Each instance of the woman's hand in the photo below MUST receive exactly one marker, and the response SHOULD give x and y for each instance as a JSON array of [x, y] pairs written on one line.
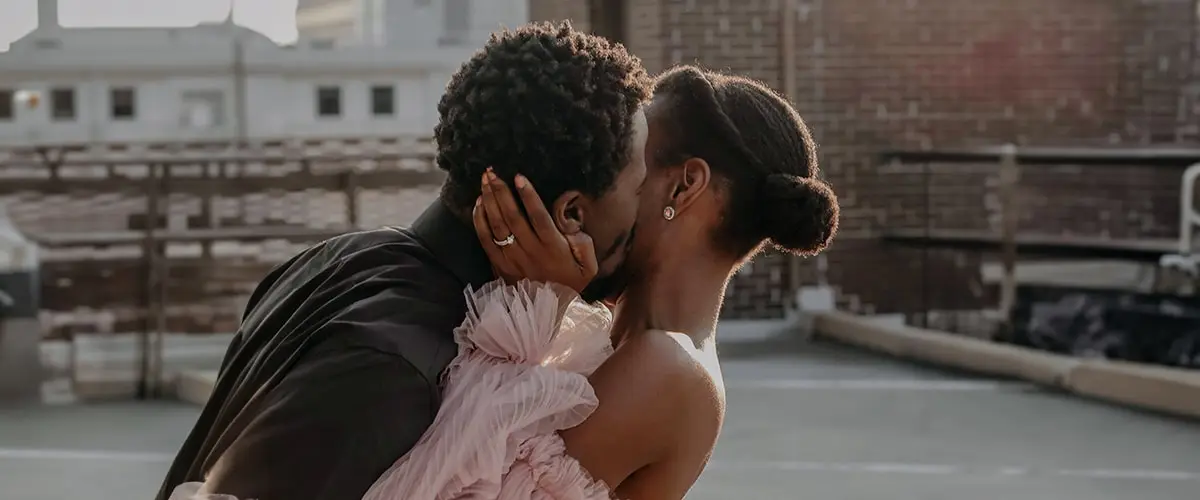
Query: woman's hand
[[532, 248]]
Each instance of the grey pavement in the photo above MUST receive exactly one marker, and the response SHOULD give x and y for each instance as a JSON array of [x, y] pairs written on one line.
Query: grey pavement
[[824, 422]]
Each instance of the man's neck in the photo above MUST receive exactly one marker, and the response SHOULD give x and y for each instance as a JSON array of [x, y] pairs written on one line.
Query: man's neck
[[452, 241], [463, 215]]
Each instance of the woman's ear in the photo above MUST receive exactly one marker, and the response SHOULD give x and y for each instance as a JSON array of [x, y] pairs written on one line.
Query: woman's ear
[[568, 212], [690, 181]]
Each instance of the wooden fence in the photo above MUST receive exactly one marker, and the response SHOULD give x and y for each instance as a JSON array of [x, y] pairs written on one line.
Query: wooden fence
[[172, 242]]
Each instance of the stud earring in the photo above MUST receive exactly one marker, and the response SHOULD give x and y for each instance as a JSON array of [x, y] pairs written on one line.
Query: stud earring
[[669, 213]]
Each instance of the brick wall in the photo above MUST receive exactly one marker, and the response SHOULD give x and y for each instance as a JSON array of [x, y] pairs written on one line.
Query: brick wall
[[869, 74], [873, 74]]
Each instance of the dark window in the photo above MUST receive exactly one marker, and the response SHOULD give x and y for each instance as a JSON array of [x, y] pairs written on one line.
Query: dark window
[[124, 103], [608, 19], [62, 104], [383, 100], [329, 101], [6, 103], [456, 21]]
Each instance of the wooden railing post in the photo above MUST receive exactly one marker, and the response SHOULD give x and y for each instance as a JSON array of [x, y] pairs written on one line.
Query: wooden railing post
[[161, 280], [150, 268], [350, 190], [207, 216]]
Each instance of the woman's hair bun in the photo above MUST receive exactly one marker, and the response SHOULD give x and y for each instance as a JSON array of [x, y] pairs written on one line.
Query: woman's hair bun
[[799, 214]]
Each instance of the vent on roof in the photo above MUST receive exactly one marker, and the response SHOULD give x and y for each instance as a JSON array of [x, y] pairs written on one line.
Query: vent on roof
[[47, 43]]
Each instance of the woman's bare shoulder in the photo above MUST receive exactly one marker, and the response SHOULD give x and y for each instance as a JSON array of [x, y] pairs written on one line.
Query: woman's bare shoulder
[[691, 367], [677, 384], [656, 393]]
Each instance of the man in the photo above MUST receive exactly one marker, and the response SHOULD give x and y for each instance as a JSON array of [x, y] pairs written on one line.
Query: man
[[334, 372]]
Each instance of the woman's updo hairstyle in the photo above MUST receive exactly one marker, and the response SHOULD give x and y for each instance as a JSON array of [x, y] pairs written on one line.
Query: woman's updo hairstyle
[[758, 149]]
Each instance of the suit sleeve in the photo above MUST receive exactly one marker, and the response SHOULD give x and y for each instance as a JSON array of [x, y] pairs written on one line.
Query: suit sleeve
[[262, 289], [329, 430]]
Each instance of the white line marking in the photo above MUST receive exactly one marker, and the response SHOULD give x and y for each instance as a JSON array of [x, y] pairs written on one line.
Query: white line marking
[[793, 466], [100, 455], [947, 470], [1170, 475], [880, 385], [894, 468]]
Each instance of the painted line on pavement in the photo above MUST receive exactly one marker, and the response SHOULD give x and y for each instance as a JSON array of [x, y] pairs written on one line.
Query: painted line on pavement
[[892, 468], [881, 385], [952, 470], [103, 455]]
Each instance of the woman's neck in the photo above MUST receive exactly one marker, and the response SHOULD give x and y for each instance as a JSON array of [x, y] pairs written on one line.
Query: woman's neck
[[682, 294]]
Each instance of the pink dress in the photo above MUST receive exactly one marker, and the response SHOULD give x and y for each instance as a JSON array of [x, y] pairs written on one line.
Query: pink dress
[[525, 353]]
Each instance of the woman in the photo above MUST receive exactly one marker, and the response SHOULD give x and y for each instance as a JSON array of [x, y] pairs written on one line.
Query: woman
[[733, 167], [552, 398]]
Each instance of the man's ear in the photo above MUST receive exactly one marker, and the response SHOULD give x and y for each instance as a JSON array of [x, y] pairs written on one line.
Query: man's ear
[[690, 181], [568, 211]]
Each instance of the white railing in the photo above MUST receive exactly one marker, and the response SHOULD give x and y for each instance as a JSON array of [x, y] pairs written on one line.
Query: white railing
[[1189, 218]]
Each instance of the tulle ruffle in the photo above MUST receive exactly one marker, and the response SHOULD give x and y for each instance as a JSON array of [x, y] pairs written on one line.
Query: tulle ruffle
[[525, 352]]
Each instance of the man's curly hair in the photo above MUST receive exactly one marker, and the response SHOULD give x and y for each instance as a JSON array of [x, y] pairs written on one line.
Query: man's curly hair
[[545, 101]]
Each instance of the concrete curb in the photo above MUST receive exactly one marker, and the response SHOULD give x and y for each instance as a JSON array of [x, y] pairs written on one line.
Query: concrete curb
[[1168, 390], [195, 386]]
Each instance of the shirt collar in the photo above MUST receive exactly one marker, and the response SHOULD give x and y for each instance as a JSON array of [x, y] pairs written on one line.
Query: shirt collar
[[453, 243]]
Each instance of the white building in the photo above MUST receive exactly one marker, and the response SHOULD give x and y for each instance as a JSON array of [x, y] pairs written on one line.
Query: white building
[[338, 21], [219, 81], [406, 23]]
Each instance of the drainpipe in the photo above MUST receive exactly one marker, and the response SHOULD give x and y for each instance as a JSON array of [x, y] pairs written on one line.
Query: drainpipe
[[239, 91], [787, 73]]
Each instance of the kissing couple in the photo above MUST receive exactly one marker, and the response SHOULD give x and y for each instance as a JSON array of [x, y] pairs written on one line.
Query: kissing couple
[[545, 329]]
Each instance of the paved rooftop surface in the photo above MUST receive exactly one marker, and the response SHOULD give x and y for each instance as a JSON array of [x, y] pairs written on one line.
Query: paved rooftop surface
[[825, 423]]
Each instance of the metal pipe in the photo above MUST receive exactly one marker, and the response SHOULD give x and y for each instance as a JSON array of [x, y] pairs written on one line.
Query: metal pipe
[[239, 90], [787, 48], [239, 81], [787, 73]]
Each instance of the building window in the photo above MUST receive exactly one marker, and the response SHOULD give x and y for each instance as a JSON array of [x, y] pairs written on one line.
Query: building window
[[62, 104], [456, 21], [608, 19], [202, 109], [329, 101], [7, 98], [124, 103], [383, 100]]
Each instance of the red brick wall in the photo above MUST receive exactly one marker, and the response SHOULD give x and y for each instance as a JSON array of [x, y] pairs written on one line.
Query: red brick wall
[[873, 74]]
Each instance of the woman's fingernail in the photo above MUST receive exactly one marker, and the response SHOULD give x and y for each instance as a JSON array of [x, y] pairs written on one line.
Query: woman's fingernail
[[520, 181], [491, 175], [478, 201]]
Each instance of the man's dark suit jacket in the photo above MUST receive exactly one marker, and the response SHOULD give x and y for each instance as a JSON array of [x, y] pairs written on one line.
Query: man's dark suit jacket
[[334, 372]]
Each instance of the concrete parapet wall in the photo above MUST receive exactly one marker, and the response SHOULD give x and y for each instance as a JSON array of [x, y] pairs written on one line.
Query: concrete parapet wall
[[1163, 389]]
